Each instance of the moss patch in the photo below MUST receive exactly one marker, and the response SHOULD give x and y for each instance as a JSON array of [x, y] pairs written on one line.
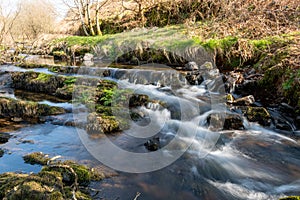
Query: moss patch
[[56, 181], [36, 158]]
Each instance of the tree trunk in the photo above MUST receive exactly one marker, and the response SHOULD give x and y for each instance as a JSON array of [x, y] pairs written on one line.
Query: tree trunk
[[99, 32], [90, 25]]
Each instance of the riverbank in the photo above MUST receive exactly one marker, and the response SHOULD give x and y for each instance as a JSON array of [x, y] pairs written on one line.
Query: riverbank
[[274, 59]]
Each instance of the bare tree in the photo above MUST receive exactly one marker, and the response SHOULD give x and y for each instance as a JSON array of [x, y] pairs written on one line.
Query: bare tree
[[140, 7], [35, 17], [89, 14], [7, 20]]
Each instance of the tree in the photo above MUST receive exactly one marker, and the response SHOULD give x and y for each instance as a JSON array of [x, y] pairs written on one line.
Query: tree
[[7, 19], [35, 17], [140, 7], [88, 12]]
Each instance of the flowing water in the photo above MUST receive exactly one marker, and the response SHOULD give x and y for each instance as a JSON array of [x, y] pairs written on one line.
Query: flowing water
[[255, 163]]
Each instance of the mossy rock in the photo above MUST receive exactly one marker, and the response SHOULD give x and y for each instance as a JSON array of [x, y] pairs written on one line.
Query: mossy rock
[[291, 198], [1, 152], [56, 181], [83, 173], [258, 114], [27, 110], [65, 92], [36, 158], [99, 124]]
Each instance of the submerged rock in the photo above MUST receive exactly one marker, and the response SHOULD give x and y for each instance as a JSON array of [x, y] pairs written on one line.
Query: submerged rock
[[4, 137], [1, 153]]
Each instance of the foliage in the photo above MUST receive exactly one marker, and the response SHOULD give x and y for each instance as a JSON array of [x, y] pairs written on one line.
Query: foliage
[[43, 77]]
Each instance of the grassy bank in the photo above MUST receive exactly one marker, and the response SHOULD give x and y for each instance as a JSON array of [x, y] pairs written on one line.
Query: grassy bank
[[277, 56]]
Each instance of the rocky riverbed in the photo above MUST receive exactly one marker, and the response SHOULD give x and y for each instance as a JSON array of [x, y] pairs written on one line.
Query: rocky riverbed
[[257, 150]]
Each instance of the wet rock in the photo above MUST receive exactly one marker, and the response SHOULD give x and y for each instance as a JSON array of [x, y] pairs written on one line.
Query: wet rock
[[58, 180], [37, 82], [225, 121], [36, 158], [1, 153], [99, 124], [65, 92], [64, 69], [244, 101], [153, 144], [191, 66], [4, 137], [255, 114], [27, 141], [194, 78], [137, 100], [27, 110]]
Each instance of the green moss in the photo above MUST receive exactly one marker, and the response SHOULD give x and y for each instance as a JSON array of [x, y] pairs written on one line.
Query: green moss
[[36, 158], [56, 196], [83, 173], [70, 80], [43, 77], [291, 198], [258, 114], [49, 184], [223, 43], [261, 44]]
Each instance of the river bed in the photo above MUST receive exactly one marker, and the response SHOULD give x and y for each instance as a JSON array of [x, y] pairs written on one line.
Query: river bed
[[255, 163]]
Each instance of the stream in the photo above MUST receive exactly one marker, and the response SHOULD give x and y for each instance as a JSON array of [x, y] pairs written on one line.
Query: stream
[[254, 163]]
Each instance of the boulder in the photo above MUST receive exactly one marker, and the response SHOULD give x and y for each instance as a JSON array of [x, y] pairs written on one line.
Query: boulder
[[37, 82], [225, 121], [255, 114], [27, 110]]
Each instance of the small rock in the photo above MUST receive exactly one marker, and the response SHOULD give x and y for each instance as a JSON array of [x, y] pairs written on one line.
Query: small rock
[[191, 66], [244, 101], [27, 142], [1, 153], [206, 66], [16, 119], [4, 137], [153, 144]]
